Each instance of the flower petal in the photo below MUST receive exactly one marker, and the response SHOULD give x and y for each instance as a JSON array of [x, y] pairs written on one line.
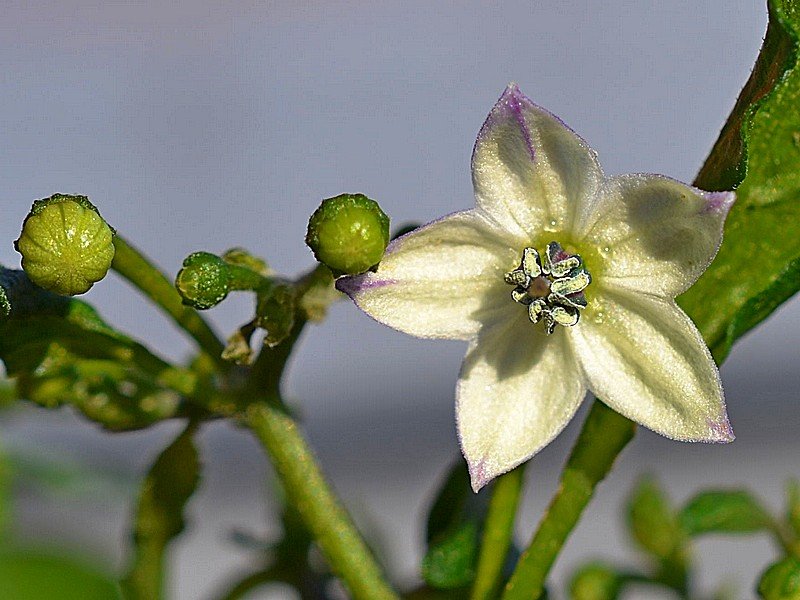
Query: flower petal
[[530, 171], [657, 234], [645, 358], [441, 280], [517, 390]]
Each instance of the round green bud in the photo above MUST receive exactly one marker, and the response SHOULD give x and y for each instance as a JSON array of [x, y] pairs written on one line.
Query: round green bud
[[65, 244], [781, 581], [595, 581], [348, 233], [204, 280]]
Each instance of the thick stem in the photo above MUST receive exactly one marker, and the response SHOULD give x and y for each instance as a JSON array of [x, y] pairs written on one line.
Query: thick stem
[[497, 533], [147, 278], [307, 490], [604, 435]]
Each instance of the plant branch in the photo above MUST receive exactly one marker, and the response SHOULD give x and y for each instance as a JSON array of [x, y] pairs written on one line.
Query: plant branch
[[148, 279], [605, 433], [307, 490], [498, 533]]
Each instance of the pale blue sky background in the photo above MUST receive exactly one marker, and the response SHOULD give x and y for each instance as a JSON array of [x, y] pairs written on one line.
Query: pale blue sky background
[[196, 125]]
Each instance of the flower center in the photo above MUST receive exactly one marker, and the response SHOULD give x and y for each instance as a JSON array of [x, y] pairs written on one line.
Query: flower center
[[552, 288]]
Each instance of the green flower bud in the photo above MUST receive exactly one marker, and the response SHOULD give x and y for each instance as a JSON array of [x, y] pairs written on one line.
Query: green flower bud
[[595, 581], [348, 233], [66, 245], [204, 280], [781, 581]]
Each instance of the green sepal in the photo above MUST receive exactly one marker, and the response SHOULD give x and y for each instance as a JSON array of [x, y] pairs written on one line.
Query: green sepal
[[59, 351], [781, 581], [316, 292], [242, 258], [724, 511], [275, 313], [455, 521]]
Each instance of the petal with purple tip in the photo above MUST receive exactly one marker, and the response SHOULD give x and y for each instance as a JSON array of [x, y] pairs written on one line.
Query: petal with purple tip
[[530, 171], [656, 235], [645, 358], [442, 280], [517, 390]]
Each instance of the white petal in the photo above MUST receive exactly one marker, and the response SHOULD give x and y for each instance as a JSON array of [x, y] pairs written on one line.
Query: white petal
[[442, 280], [657, 234], [517, 390], [644, 358], [530, 171]]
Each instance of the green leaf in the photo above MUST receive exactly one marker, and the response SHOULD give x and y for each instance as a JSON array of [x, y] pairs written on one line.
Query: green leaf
[[449, 507], [165, 492], [652, 520], [724, 512], [454, 525], [758, 265], [61, 352], [31, 575], [450, 563], [781, 581]]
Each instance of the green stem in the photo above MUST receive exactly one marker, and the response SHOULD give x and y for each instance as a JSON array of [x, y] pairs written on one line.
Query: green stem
[[307, 490], [604, 435], [305, 486], [497, 533], [133, 266]]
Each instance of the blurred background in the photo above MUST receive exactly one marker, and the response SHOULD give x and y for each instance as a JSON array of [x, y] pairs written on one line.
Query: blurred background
[[197, 125]]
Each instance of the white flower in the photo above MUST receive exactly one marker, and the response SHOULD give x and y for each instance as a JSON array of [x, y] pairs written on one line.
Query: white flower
[[562, 280]]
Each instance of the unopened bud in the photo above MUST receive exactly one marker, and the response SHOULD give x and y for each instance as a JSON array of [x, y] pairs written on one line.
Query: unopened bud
[[781, 581], [348, 233], [65, 244], [595, 582], [203, 281]]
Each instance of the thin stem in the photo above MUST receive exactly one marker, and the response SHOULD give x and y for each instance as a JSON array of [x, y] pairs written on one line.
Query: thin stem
[[604, 435], [497, 533], [307, 490], [138, 270]]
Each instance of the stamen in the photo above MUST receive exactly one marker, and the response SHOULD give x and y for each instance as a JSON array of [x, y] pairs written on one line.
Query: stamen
[[551, 289]]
